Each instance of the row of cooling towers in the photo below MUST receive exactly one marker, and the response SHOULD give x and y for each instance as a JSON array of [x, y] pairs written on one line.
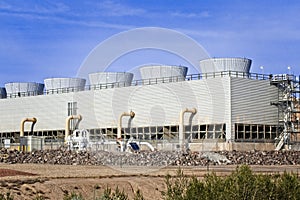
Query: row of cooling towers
[[147, 72]]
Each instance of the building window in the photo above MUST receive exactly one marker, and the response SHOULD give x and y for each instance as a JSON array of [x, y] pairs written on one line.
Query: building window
[[72, 108]]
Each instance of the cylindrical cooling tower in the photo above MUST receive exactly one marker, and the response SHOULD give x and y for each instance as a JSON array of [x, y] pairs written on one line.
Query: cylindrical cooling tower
[[111, 79], [225, 64], [58, 85], [18, 89], [163, 73]]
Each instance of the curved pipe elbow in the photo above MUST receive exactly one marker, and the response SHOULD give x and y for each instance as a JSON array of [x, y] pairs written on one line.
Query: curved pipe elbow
[[131, 114], [33, 120], [67, 126]]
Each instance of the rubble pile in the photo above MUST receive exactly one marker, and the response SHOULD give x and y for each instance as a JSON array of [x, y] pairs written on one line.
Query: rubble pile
[[60, 156], [64, 156], [263, 157]]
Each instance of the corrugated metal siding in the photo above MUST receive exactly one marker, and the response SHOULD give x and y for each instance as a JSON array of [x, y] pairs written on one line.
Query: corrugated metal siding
[[157, 105], [154, 105], [218, 100], [50, 111], [250, 102]]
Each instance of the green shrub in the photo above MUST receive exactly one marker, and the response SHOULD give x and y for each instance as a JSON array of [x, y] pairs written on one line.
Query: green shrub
[[117, 195], [176, 188], [288, 186], [73, 196], [241, 184], [7, 196], [194, 188], [138, 195]]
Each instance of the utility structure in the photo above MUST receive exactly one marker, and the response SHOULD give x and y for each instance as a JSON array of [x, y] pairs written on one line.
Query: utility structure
[[67, 126], [288, 108], [231, 102], [131, 114], [33, 120], [193, 111]]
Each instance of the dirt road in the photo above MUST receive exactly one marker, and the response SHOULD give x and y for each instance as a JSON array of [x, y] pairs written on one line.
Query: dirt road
[[27, 181]]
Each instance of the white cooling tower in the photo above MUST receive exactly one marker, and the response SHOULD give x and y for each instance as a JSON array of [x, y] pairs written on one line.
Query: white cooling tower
[[163, 71], [111, 78], [2, 93], [225, 64], [23, 89], [69, 84]]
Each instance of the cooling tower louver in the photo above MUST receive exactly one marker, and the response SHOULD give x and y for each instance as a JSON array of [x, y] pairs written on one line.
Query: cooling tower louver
[[61, 85], [225, 64], [163, 73], [111, 79], [18, 89]]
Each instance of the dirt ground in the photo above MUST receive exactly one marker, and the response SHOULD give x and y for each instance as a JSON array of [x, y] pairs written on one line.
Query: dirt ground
[[27, 181]]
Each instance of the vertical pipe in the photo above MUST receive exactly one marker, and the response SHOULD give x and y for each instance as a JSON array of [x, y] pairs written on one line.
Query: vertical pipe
[[33, 120], [181, 125], [119, 130], [67, 126]]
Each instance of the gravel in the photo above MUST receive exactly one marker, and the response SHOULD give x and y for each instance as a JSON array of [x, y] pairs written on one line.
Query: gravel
[[64, 156]]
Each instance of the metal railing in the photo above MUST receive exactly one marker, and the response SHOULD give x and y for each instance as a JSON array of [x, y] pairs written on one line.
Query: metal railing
[[154, 81]]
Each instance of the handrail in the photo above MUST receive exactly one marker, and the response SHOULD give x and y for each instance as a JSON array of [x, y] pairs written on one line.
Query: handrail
[[154, 81]]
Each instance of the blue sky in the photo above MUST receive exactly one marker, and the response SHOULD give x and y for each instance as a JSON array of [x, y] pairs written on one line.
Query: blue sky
[[41, 39]]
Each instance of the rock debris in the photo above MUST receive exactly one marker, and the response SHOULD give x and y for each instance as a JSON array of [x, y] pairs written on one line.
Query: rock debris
[[63, 156]]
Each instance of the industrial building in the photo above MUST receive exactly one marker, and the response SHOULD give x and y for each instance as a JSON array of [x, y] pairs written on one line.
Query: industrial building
[[226, 107]]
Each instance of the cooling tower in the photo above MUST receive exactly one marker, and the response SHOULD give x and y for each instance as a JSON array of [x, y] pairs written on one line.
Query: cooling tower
[[23, 89], [111, 79], [64, 84], [2, 93], [162, 72], [225, 64]]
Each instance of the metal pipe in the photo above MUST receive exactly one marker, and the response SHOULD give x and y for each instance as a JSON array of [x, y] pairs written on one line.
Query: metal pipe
[[147, 144], [181, 125], [119, 131], [33, 120], [67, 127]]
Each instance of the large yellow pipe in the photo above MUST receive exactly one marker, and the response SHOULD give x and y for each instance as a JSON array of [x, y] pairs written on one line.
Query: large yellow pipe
[[67, 127], [33, 120], [181, 125]]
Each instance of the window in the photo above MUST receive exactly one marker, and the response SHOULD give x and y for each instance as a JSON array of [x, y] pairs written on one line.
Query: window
[[72, 108]]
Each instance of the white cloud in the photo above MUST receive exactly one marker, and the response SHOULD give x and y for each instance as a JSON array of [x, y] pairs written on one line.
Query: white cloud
[[203, 14], [111, 8], [45, 7], [62, 20]]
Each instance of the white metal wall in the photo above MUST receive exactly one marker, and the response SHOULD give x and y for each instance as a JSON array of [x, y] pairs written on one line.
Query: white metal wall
[[154, 105], [161, 104], [250, 102]]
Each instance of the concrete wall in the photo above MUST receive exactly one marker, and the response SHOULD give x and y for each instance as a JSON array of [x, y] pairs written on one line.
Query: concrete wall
[[228, 146]]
